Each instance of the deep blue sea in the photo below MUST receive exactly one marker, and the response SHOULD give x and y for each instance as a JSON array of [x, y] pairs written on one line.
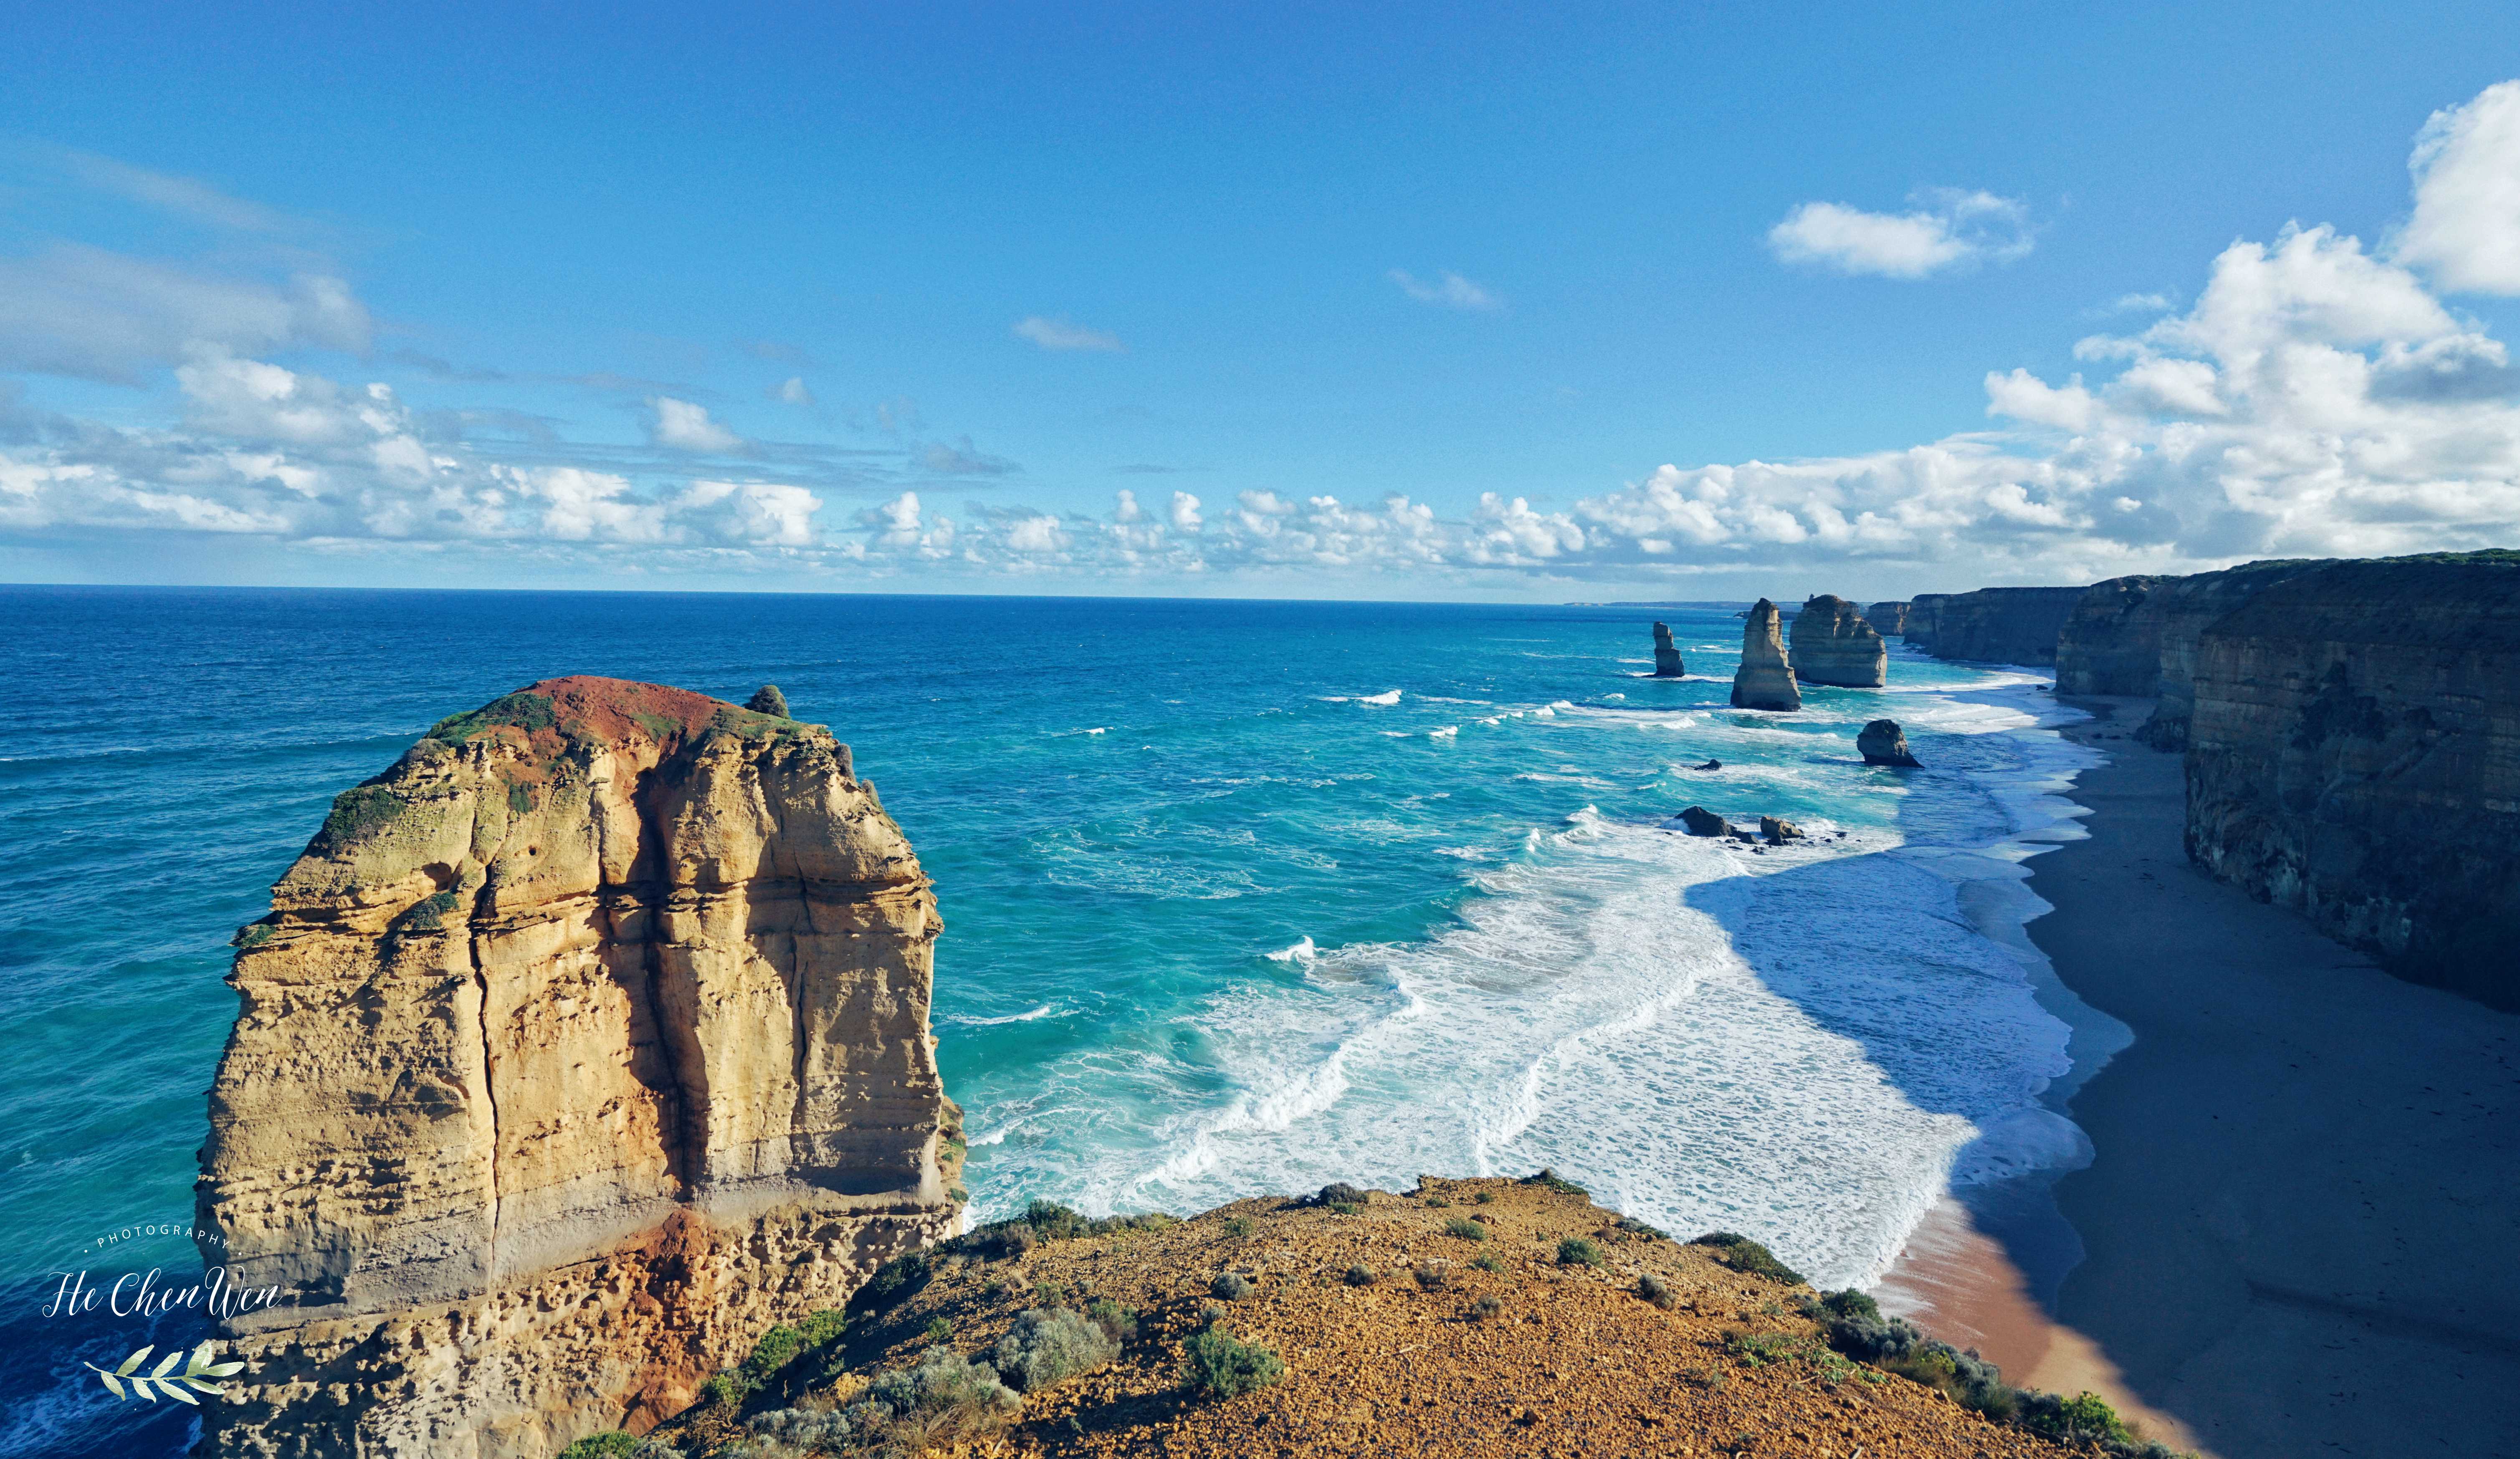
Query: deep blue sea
[[1239, 897]]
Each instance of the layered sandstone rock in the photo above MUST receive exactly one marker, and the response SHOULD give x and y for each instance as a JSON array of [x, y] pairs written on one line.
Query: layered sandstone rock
[[2185, 606], [1889, 619], [1883, 743], [1832, 643], [579, 1046], [1667, 662], [2355, 753], [1924, 614], [2111, 642], [1997, 625], [1764, 680]]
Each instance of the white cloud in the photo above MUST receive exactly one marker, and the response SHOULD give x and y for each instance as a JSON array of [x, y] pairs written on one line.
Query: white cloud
[[1186, 517], [2466, 231], [1956, 230], [2139, 304], [792, 391], [81, 311], [1058, 334], [686, 426], [1450, 290]]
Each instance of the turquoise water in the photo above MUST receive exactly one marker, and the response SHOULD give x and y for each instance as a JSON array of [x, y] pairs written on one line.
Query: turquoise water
[[1239, 897]]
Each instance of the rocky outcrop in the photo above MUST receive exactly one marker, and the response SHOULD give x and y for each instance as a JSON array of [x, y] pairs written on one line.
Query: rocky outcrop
[[1883, 742], [1667, 664], [1779, 831], [1925, 615], [581, 1045], [2111, 642], [2185, 608], [2355, 753], [1764, 680], [767, 700], [1832, 643], [1889, 619], [1997, 625], [1699, 821]]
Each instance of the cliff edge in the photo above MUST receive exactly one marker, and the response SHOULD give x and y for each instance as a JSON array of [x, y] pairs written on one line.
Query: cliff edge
[[581, 1044], [2355, 753]]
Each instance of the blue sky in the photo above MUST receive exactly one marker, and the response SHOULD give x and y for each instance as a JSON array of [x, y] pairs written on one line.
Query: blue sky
[[760, 298]]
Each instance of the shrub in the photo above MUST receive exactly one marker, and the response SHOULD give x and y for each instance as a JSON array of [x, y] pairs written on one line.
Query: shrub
[[819, 1327], [1656, 1290], [1436, 1202], [1431, 1276], [1118, 1323], [999, 1241], [767, 700], [1340, 1193], [938, 1330], [1223, 1366], [1488, 1262], [1547, 1180], [1484, 1197], [1359, 1275], [2085, 1419], [1238, 1228], [613, 1446], [1851, 1303], [727, 1390], [941, 1396], [1465, 1228], [805, 1428], [1631, 1227], [776, 1349], [1346, 1208], [1053, 1221], [1743, 1254], [1579, 1250], [1050, 1344], [1488, 1306], [1229, 1285], [891, 1284]]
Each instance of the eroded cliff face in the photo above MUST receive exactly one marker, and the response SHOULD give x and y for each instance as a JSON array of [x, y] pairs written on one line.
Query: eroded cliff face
[[2182, 609], [1924, 613], [2355, 753], [1832, 643], [2111, 641], [579, 1046], [1764, 679], [1889, 619], [1995, 625]]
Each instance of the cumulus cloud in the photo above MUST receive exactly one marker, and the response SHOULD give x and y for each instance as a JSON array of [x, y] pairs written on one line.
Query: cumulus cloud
[[791, 391], [2466, 231], [1058, 334], [684, 427], [1953, 229], [1448, 290]]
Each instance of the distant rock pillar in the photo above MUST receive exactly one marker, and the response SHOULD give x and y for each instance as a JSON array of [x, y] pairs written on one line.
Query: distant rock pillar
[[1764, 680], [1667, 664]]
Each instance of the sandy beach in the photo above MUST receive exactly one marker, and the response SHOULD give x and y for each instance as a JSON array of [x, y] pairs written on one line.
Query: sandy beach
[[2298, 1231]]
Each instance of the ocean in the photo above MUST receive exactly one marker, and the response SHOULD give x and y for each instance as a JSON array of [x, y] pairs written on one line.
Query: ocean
[[1239, 897]]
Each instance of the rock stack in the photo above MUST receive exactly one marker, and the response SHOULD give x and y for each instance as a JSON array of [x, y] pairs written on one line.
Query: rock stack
[[579, 1047], [1834, 645], [1883, 742], [1764, 680], [1667, 664]]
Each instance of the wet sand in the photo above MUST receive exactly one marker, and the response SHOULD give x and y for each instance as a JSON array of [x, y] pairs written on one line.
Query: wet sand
[[2300, 1230]]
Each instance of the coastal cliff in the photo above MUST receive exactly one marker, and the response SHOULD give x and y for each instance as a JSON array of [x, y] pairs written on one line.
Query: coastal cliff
[[2355, 753], [580, 1045], [1993, 625], [2138, 637], [1832, 643], [1889, 619]]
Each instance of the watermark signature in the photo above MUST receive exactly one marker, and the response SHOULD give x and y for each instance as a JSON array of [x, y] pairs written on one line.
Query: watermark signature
[[147, 1294]]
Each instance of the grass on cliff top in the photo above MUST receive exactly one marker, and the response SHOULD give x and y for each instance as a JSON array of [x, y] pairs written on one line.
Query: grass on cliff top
[[1057, 1333], [521, 709]]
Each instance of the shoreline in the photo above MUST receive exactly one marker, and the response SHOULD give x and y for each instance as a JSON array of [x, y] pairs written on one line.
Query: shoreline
[[2295, 1233]]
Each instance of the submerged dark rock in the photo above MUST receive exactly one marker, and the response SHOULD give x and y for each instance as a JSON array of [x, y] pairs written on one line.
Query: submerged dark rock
[[1703, 822]]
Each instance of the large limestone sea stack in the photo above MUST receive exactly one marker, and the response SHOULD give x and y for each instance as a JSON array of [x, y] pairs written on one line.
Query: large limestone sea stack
[[1833, 644], [1667, 662], [580, 1046], [1764, 680]]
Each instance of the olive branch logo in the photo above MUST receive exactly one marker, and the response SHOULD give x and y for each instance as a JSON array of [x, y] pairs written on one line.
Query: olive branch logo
[[164, 1377]]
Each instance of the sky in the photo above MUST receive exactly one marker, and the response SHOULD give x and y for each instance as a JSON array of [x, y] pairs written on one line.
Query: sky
[[1670, 302]]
